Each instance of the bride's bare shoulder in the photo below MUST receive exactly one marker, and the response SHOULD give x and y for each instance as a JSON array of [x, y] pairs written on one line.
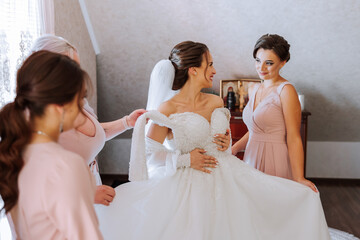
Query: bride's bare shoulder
[[167, 108], [214, 100]]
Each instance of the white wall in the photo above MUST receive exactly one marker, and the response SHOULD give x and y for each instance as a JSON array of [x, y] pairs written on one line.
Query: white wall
[[333, 160]]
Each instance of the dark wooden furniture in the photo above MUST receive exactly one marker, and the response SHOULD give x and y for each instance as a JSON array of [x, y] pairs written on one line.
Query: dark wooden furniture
[[239, 129]]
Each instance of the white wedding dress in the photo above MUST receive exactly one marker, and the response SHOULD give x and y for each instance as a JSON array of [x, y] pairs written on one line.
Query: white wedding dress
[[235, 201]]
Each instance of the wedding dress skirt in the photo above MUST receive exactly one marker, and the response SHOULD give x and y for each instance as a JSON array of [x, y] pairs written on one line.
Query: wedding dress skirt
[[235, 201]]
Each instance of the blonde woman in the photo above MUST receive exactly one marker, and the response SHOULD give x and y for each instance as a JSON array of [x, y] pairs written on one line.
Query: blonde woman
[[88, 139]]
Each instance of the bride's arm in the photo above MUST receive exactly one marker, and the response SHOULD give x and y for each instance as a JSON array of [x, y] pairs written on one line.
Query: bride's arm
[[195, 159], [222, 140]]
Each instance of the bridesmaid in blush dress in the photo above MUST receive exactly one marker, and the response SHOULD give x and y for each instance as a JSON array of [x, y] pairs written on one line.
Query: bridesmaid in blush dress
[[273, 116], [47, 190], [89, 138]]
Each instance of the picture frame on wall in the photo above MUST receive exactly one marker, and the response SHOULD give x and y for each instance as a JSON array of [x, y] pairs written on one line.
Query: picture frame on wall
[[240, 87]]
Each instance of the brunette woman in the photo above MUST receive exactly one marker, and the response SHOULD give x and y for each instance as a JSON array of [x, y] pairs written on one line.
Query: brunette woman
[[48, 190]]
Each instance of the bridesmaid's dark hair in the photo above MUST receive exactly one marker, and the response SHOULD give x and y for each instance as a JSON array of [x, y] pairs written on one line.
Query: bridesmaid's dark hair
[[44, 78], [273, 42], [185, 55]]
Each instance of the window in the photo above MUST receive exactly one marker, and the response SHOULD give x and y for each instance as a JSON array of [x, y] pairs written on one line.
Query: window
[[20, 24]]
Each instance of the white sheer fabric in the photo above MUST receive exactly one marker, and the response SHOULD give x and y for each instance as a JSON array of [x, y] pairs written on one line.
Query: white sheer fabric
[[160, 88], [151, 159], [21, 22], [5, 231], [161, 81], [47, 16], [235, 201]]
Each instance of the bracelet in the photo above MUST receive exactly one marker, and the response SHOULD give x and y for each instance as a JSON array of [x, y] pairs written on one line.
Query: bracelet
[[126, 125]]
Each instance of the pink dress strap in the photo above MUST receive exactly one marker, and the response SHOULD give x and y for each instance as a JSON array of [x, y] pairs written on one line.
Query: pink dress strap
[[281, 86]]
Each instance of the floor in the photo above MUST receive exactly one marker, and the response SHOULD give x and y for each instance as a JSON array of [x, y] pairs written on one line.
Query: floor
[[341, 203], [340, 200]]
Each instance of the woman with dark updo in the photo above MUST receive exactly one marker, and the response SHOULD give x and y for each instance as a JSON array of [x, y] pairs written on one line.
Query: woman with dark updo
[[273, 116], [195, 188], [47, 190]]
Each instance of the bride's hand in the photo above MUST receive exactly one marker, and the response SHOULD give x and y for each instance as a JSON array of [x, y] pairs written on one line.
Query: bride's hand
[[200, 161], [104, 195], [223, 140], [308, 183]]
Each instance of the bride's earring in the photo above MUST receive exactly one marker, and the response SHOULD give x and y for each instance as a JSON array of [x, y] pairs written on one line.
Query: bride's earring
[[195, 73], [61, 127]]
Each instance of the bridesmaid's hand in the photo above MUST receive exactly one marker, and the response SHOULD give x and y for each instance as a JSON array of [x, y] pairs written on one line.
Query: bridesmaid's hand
[[131, 119], [104, 195], [308, 183], [223, 140], [200, 161]]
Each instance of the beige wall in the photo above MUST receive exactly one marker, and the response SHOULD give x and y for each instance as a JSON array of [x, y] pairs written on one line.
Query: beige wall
[[324, 38], [134, 35], [70, 24]]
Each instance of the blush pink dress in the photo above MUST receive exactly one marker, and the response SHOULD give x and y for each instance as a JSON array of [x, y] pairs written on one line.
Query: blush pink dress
[[266, 149], [56, 196], [87, 147]]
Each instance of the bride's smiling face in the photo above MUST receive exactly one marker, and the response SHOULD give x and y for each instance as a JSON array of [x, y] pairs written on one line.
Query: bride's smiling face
[[207, 70]]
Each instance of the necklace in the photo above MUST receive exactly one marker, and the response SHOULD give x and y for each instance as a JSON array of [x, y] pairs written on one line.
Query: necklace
[[42, 133]]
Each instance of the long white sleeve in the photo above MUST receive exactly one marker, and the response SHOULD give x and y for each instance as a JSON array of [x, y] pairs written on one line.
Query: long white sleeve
[[150, 158], [161, 161]]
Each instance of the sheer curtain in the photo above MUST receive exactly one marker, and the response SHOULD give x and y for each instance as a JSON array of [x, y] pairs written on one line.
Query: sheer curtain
[[21, 22]]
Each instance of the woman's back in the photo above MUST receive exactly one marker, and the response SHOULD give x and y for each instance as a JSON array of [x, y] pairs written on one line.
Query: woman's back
[[56, 195]]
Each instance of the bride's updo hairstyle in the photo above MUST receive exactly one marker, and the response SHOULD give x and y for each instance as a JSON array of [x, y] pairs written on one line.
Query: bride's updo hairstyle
[[183, 56], [273, 42], [44, 78]]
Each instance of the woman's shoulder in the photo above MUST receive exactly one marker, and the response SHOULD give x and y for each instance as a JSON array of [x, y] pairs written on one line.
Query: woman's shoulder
[[167, 108], [252, 86], [51, 161], [53, 154], [285, 88], [213, 100]]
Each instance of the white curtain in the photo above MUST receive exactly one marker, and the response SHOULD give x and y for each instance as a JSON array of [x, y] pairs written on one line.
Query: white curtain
[[21, 22]]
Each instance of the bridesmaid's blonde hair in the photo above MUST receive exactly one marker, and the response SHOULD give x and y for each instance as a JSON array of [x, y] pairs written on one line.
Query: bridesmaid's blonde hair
[[55, 44]]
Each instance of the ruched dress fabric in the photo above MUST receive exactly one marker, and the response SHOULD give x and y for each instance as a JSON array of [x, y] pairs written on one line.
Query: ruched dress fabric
[[266, 149], [235, 201], [88, 147]]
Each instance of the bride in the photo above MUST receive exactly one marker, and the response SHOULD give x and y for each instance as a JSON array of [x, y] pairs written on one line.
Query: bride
[[184, 186]]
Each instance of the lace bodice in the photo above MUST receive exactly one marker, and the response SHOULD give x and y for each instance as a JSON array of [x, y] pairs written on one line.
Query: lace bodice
[[192, 130]]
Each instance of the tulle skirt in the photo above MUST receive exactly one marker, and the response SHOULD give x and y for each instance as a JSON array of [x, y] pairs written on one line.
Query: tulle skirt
[[235, 201]]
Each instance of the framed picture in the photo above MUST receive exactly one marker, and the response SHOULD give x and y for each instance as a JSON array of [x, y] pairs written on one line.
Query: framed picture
[[240, 87]]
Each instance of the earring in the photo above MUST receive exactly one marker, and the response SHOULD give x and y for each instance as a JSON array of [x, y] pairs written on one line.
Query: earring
[[61, 127], [195, 73]]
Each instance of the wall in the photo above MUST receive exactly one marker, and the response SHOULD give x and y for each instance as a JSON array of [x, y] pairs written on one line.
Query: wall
[[134, 35], [70, 24]]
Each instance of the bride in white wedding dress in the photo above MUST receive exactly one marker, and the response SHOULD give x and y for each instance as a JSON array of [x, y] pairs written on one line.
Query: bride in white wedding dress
[[192, 189]]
